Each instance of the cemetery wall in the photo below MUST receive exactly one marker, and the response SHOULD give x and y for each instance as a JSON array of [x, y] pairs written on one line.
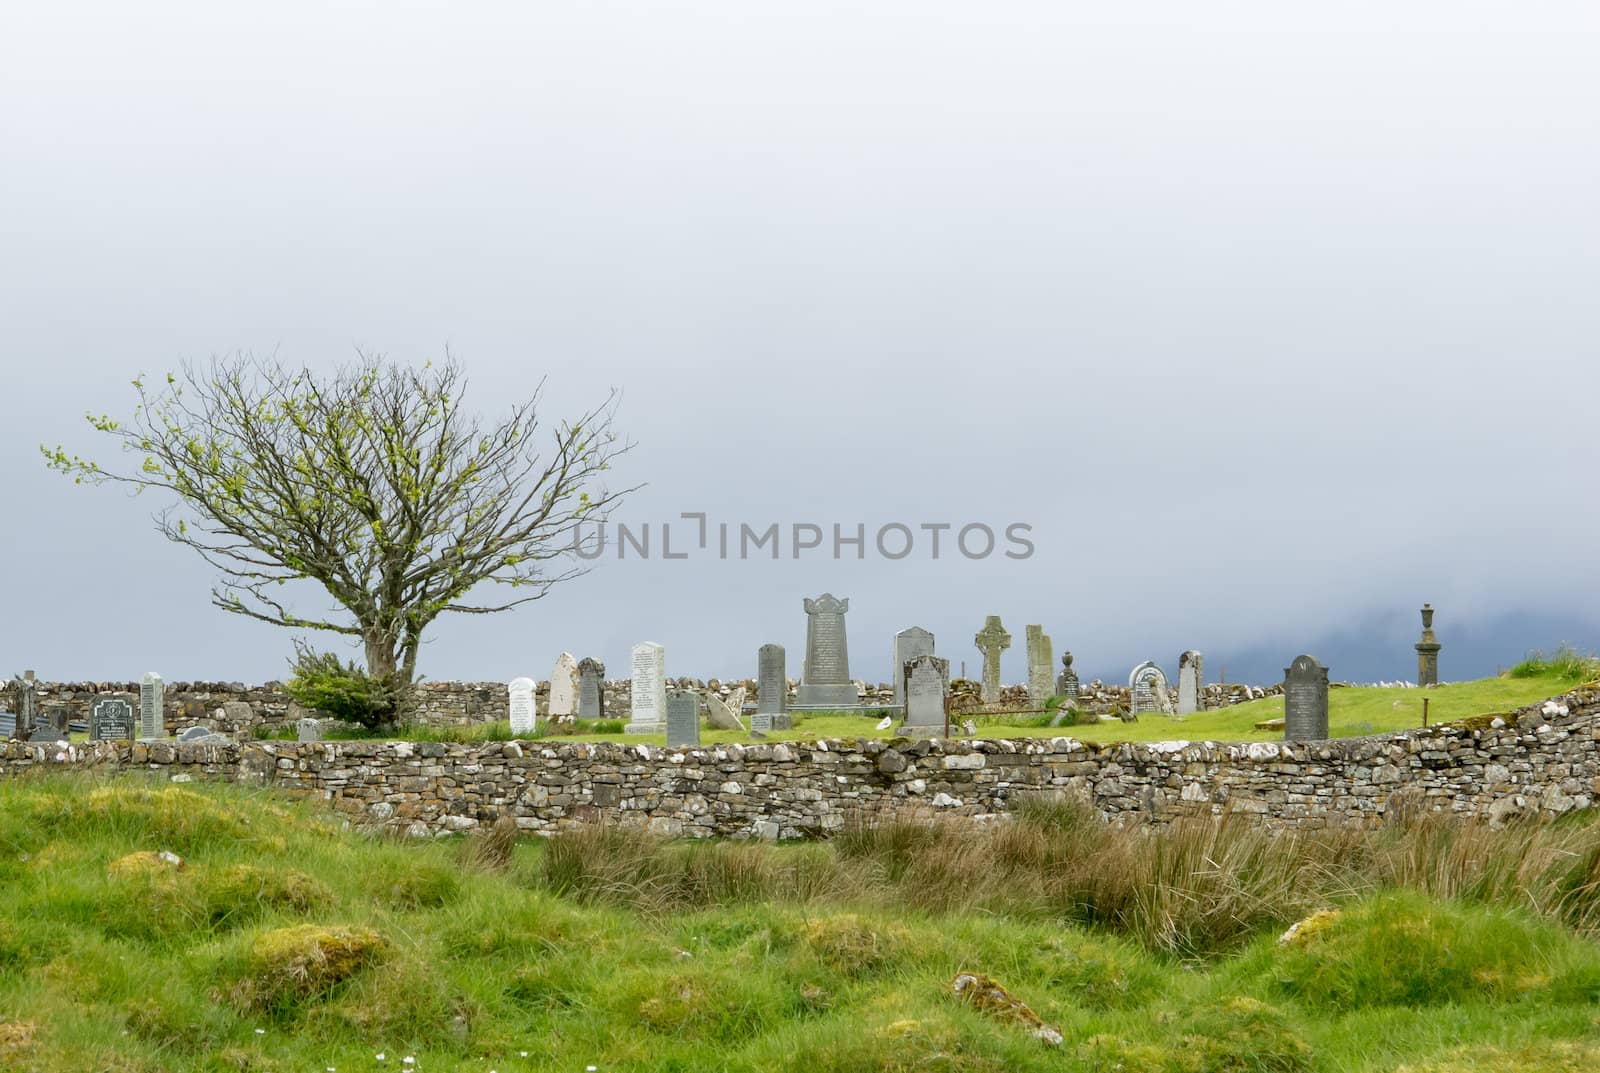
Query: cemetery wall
[[1540, 760]]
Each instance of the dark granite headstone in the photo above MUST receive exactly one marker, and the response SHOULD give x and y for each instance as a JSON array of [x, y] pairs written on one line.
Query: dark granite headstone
[[591, 688], [1305, 700], [683, 718], [111, 719]]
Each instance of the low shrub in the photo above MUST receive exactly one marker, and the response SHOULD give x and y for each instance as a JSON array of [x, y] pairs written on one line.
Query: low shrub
[[325, 683]]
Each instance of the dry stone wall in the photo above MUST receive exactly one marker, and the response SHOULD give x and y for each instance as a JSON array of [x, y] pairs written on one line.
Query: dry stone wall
[[1539, 761]]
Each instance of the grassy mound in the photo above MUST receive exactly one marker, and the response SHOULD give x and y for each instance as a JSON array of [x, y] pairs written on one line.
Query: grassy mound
[[283, 944]]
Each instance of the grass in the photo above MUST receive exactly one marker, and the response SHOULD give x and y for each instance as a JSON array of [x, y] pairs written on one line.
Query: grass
[[283, 943]]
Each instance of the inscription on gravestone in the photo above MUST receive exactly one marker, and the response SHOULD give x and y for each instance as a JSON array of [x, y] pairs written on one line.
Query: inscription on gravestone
[[521, 709], [683, 718], [825, 680], [152, 716], [111, 719], [927, 684], [1305, 700]]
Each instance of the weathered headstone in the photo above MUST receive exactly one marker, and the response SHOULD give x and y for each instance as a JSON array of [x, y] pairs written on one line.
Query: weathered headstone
[[1191, 679], [27, 714], [772, 687], [683, 718], [1041, 661], [991, 641], [825, 679], [521, 708], [111, 719], [909, 643], [563, 687], [1147, 688], [649, 689], [1427, 651], [1067, 682], [152, 712], [1305, 700], [720, 713], [762, 722], [202, 735], [591, 688], [926, 682], [308, 730]]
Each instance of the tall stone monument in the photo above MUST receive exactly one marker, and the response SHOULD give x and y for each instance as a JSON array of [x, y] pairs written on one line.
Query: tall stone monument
[[111, 719], [521, 706], [591, 688], [152, 711], [991, 641], [772, 690], [1041, 661], [1191, 679], [908, 645], [1147, 689], [825, 679], [1305, 700], [563, 699], [1067, 682], [926, 682], [683, 718], [1427, 651], [649, 689]]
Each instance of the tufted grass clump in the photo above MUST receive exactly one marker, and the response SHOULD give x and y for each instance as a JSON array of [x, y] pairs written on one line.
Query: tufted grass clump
[[287, 967], [1564, 663]]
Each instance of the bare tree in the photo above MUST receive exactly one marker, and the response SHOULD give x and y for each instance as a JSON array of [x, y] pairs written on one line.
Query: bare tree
[[372, 482]]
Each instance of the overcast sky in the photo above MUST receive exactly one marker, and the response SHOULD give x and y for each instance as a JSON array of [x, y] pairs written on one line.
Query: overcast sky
[[1271, 323]]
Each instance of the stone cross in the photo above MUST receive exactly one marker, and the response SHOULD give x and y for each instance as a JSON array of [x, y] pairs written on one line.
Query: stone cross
[[591, 689], [522, 711], [825, 679], [909, 643], [683, 718], [111, 719], [926, 681], [1191, 681], [649, 689], [991, 641], [1041, 660], [1427, 651], [563, 687], [1067, 682], [152, 713], [1305, 700]]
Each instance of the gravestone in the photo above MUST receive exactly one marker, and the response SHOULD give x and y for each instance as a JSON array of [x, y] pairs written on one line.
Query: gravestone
[[772, 687], [825, 679], [1305, 700], [591, 688], [563, 687], [111, 719], [762, 722], [1147, 689], [308, 730], [908, 645], [1067, 682], [991, 641], [1041, 660], [683, 718], [152, 713], [649, 689], [203, 736], [522, 710], [1427, 651], [1191, 680], [27, 707], [926, 682], [720, 713]]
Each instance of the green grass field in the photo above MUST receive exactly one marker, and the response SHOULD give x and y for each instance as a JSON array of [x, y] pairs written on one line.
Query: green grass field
[[1351, 712], [285, 944]]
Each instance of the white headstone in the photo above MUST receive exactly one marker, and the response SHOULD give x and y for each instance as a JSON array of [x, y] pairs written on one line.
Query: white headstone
[[649, 689], [563, 686], [152, 717], [522, 711]]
